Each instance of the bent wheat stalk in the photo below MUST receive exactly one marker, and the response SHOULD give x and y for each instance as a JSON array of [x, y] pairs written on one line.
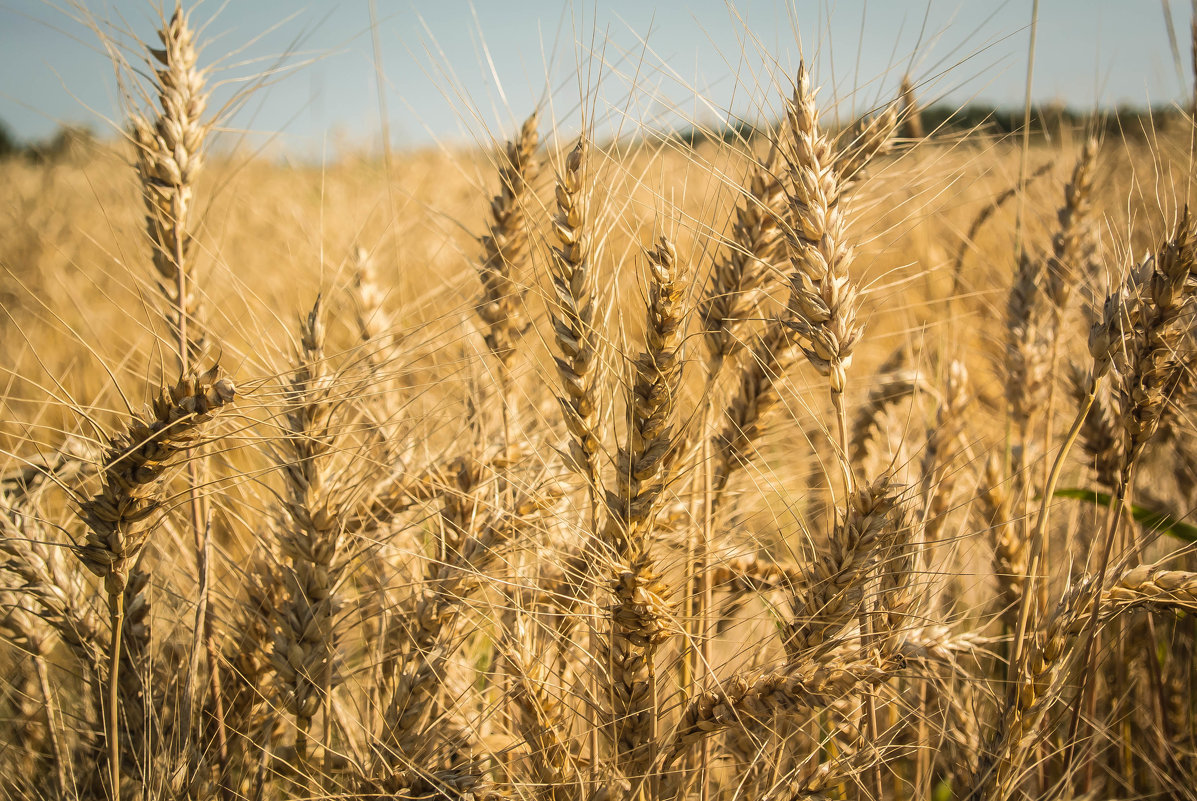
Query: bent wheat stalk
[[123, 515]]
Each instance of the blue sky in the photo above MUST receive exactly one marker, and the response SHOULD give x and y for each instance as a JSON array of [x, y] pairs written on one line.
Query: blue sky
[[454, 70]]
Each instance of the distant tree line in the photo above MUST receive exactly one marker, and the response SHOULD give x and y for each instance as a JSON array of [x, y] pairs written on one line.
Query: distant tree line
[[68, 142], [1046, 121]]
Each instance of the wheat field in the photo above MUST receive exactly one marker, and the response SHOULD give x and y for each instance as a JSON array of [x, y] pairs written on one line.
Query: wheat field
[[812, 461]]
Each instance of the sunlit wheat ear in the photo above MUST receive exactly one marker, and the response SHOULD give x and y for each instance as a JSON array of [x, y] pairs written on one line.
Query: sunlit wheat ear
[[756, 394], [122, 516], [169, 156], [542, 720], [738, 275], [912, 115], [942, 446], [1000, 762], [873, 138], [573, 310], [374, 325], [310, 537], [1150, 365], [823, 298], [505, 245], [995, 509], [1075, 242], [641, 471], [1101, 434], [832, 591], [892, 384], [26, 552], [640, 613], [799, 688], [1027, 345]]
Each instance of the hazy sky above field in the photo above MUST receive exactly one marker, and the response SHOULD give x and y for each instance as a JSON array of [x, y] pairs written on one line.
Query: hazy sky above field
[[454, 70]]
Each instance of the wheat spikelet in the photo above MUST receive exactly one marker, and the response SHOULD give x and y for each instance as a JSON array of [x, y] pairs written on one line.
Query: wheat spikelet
[[942, 446], [998, 770], [1154, 587], [640, 608], [1009, 544], [121, 516], [540, 717], [641, 470], [873, 138], [45, 580], [1150, 365], [889, 387], [1027, 345], [1101, 433], [375, 325]]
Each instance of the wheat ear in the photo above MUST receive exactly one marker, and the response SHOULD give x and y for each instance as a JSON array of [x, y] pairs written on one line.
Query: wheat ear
[[832, 591], [505, 246], [310, 537], [739, 274], [169, 156], [640, 612], [573, 315]]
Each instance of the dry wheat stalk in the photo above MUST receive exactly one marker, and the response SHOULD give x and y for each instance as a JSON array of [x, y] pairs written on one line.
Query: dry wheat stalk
[[641, 470], [505, 245]]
